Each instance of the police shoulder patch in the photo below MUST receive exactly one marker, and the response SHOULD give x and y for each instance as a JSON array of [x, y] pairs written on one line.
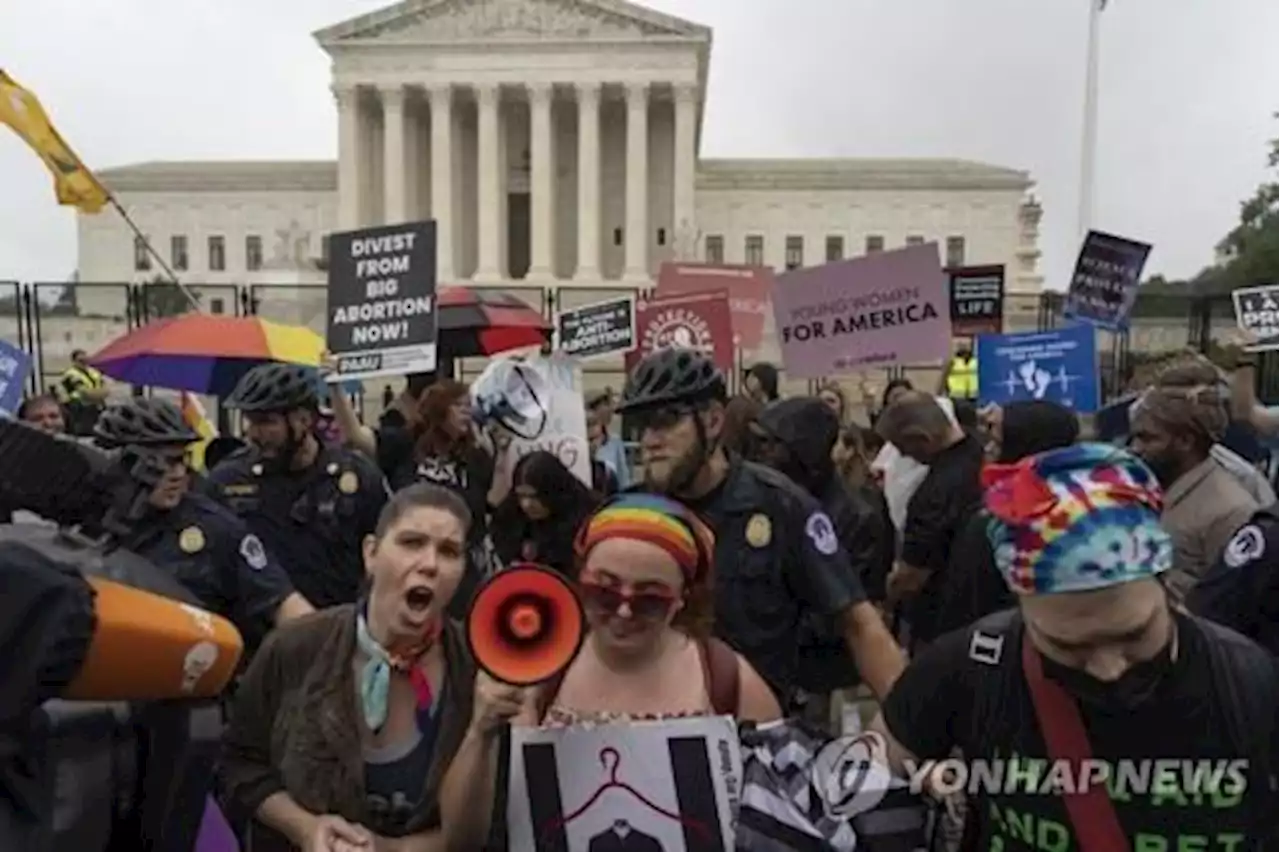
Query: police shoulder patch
[[822, 533], [253, 552], [1245, 546]]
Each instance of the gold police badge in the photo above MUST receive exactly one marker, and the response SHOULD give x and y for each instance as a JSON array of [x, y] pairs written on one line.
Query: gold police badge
[[759, 531], [348, 483], [191, 540]]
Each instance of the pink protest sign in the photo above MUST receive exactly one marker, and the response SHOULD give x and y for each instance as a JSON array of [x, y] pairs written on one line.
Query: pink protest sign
[[874, 311]]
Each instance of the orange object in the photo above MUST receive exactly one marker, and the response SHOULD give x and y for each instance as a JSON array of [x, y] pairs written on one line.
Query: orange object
[[525, 625], [146, 647]]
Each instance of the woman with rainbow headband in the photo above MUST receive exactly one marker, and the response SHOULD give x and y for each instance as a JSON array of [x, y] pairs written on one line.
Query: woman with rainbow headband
[[645, 568]]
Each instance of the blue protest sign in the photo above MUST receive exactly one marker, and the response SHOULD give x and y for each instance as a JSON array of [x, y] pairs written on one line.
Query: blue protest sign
[[1059, 366], [1104, 285], [15, 364]]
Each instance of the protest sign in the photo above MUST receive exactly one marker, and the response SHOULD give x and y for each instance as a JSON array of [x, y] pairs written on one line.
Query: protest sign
[[15, 366], [1060, 366], [1105, 282], [671, 786], [886, 308], [603, 328], [748, 289], [564, 434], [382, 294], [1256, 315], [694, 321], [977, 300]]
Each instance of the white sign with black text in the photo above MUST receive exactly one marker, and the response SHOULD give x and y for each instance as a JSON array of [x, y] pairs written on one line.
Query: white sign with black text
[[382, 301], [1257, 309], [564, 433], [603, 328]]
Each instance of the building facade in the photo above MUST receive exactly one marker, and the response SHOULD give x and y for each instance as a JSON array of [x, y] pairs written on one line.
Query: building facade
[[556, 145]]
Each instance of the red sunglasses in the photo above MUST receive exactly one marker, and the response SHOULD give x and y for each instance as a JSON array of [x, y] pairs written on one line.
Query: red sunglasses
[[648, 605]]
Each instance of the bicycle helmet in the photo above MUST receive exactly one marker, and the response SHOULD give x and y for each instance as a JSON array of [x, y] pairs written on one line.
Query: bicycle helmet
[[275, 387], [143, 423], [672, 376]]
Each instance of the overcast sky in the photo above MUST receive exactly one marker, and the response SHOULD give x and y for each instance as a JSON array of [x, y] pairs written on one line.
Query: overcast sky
[[1188, 90]]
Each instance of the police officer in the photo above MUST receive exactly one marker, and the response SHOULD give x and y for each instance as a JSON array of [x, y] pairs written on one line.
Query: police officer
[[312, 504], [778, 558], [206, 547], [83, 392], [1240, 591]]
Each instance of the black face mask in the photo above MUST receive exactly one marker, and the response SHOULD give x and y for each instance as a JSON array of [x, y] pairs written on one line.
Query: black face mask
[[1139, 682]]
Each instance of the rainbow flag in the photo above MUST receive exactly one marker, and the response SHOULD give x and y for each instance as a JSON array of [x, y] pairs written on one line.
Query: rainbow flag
[[193, 414]]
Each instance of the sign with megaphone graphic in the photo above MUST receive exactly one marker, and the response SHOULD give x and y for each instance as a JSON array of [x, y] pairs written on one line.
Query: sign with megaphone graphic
[[525, 625]]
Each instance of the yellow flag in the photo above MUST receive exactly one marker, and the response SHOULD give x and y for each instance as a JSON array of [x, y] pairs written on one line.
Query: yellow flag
[[73, 182], [193, 414]]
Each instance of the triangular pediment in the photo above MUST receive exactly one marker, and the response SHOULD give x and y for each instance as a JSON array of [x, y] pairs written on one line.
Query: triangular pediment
[[443, 21]]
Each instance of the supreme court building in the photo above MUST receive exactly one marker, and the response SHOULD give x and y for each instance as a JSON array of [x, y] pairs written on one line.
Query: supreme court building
[[556, 143]]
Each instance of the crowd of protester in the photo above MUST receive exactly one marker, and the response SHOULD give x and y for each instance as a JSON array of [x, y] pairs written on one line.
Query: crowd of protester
[[792, 555]]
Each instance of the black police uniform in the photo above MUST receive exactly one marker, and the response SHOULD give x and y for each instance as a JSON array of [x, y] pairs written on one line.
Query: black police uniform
[[314, 521], [216, 557], [1240, 590], [777, 559]]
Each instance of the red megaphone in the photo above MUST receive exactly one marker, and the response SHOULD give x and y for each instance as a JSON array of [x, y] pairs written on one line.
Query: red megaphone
[[525, 625]]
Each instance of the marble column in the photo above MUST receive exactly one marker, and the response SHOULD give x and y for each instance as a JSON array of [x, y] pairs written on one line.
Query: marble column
[[685, 162], [394, 181], [442, 179], [488, 185], [636, 268], [588, 182], [541, 183], [349, 156]]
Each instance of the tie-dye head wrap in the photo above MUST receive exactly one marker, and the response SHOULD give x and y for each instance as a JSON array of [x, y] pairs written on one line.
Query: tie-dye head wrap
[[657, 520], [1080, 518]]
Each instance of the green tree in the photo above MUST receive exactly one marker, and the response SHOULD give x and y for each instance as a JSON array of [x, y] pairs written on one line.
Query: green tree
[[1248, 253], [162, 298]]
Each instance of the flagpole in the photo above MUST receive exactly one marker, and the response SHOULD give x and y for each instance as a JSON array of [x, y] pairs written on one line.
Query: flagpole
[[1089, 138], [146, 243]]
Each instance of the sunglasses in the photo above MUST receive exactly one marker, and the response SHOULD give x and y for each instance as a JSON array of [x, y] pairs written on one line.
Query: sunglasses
[[648, 605], [665, 417]]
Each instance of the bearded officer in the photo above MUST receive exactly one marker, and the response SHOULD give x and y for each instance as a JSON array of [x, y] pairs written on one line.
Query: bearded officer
[[778, 559], [205, 547], [311, 504]]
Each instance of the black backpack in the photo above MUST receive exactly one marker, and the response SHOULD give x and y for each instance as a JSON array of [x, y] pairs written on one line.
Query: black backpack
[[1236, 663]]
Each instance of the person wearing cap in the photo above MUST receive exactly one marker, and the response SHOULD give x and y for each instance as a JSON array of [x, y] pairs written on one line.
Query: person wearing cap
[[611, 450], [1095, 663], [312, 505], [1173, 428], [779, 560]]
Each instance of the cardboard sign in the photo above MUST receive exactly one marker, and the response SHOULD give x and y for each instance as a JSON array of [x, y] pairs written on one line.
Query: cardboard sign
[[382, 301], [977, 300], [875, 311], [15, 366], [748, 288], [603, 328], [1104, 285], [1256, 314], [1060, 366], [696, 321], [670, 786]]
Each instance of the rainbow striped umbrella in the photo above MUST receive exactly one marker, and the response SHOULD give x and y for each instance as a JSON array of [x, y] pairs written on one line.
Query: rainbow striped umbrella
[[204, 354]]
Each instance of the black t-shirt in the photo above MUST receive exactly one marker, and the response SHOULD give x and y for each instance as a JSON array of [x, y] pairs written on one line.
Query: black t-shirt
[[778, 558], [931, 710], [949, 495], [973, 586], [470, 474]]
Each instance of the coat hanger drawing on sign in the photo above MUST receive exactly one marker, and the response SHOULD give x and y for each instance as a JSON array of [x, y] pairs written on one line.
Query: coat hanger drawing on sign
[[610, 759]]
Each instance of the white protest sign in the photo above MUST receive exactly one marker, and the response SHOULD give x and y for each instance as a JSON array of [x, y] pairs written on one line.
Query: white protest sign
[[565, 431], [670, 786]]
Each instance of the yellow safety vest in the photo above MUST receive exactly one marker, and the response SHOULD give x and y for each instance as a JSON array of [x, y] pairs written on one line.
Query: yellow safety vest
[[962, 379], [75, 380]]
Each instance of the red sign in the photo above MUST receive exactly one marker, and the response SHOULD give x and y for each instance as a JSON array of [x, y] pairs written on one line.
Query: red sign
[[748, 287], [694, 321]]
